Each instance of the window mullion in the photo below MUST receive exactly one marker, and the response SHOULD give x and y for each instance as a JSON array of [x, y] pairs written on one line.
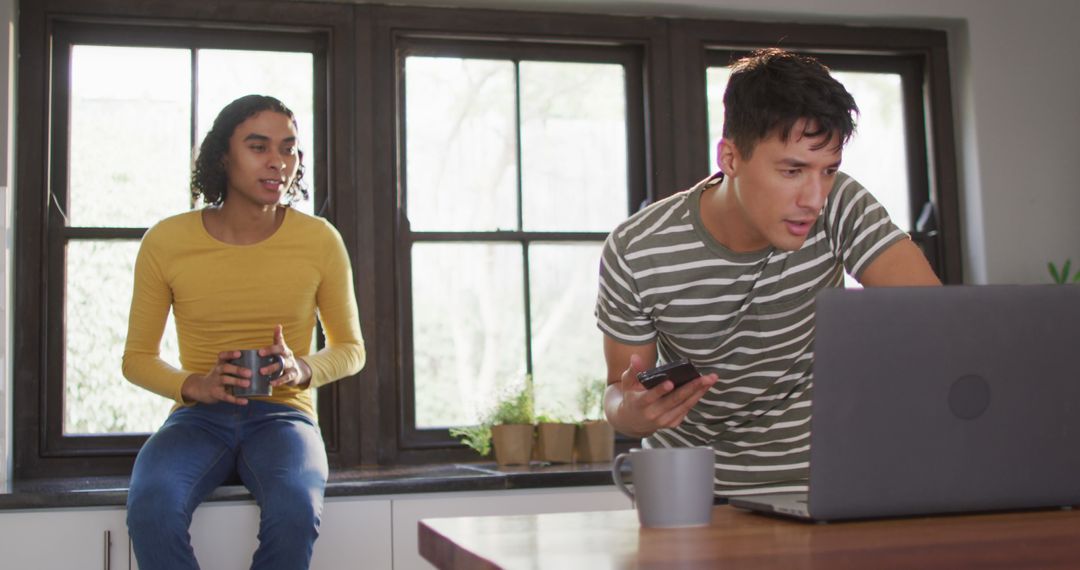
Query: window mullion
[[194, 129], [521, 218], [517, 143]]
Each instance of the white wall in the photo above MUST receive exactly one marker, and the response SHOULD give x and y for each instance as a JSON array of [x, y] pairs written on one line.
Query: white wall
[[1016, 90]]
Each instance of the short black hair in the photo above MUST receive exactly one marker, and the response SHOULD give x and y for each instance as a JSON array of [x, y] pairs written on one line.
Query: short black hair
[[772, 89], [208, 177]]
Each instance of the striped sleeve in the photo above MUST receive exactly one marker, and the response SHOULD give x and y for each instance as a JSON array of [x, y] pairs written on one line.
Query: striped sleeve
[[619, 311], [858, 226]]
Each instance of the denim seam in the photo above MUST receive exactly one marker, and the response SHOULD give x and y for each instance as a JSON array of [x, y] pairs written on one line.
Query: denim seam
[[257, 481], [191, 489]]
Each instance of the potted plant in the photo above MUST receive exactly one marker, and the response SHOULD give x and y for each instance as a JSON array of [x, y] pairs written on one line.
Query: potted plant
[[595, 439], [1062, 277], [507, 427], [512, 426], [554, 440]]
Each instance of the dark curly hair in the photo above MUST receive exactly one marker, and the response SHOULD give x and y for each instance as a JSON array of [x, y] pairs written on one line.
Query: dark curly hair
[[772, 89], [208, 177]]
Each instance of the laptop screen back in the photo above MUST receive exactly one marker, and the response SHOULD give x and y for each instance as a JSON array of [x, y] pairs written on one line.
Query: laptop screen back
[[954, 399]]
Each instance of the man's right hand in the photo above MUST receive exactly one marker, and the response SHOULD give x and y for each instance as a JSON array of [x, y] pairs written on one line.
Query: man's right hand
[[635, 411], [210, 388]]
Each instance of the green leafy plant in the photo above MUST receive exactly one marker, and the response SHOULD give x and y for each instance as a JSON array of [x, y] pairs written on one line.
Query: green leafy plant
[[1062, 276], [515, 407], [478, 437], [591, 398], [549, 419]]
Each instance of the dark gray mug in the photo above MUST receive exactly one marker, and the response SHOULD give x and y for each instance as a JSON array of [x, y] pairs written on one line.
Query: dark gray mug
[[260, 383], [673, 487]]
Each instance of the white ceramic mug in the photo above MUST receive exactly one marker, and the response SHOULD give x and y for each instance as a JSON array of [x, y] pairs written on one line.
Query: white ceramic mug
[[672, 486]]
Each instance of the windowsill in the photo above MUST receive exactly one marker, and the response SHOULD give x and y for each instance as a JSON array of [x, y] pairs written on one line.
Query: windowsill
[[112, 491]]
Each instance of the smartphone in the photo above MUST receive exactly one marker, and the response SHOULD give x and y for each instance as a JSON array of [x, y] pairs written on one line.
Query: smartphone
[[680, 372]]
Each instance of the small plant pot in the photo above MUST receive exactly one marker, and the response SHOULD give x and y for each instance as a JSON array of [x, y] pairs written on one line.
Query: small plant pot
[[513, 443], [555, 442], [595, 442]]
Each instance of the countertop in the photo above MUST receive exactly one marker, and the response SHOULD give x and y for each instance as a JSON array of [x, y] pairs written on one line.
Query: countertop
[[112, 491]]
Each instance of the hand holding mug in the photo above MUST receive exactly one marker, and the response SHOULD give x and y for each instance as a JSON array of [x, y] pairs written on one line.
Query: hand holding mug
[[260, 370], [217, 384], [293, 371]]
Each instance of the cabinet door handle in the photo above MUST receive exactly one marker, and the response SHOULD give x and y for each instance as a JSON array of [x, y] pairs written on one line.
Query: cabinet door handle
[[108, 549]]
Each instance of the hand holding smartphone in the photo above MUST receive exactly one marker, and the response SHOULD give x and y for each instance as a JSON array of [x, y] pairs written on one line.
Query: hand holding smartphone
[[680, 372]]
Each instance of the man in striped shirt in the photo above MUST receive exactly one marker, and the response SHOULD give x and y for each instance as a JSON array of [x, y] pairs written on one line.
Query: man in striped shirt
[[726, 272]]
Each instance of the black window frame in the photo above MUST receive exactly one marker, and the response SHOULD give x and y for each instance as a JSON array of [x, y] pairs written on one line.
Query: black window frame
[[630, 58], [398, 442], [919, 56], [364, 174], [40, 446], [60, 234]]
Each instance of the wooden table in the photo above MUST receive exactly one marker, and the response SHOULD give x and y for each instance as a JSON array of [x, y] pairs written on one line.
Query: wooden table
[[739, 539]]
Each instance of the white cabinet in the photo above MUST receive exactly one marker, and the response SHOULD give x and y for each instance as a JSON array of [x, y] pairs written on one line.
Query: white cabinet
[[409, 509], [62, 539], [378, 533], [355, 533], [224, 535]]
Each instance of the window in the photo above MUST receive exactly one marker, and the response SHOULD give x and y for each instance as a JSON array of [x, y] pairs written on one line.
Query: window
[[901, 150], [129, 107], [877, 154], [473, 161], [518, 162], [116, 160]]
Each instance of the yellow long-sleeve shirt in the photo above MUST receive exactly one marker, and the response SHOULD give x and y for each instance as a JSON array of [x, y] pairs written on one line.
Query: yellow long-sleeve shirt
[[230, 297]]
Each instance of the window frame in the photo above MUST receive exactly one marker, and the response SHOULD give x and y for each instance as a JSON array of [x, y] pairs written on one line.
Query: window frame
[[60, 234], [40, 446], [916, 54], [630, 58], [399, 443]]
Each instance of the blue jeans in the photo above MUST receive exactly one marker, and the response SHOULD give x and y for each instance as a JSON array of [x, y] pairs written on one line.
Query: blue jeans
[[277, 452]]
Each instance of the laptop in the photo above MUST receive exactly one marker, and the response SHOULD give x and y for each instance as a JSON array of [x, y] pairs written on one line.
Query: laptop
[[941, 400]]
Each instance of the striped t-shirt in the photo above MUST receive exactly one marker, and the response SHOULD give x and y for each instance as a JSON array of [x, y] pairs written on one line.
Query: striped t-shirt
[[748, 317]]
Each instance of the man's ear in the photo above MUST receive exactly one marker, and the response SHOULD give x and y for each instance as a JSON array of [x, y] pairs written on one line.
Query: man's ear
[[727, 157]]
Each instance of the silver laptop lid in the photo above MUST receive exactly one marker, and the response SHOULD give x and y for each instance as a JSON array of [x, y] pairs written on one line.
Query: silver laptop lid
[[953, 399]]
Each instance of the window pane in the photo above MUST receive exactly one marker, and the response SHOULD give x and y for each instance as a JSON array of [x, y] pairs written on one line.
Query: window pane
[[715, 83], [566, 345], [97, 398], [875, 156], [460, 135], [468, 329], [573, 125], [130, 135], [225, 75]]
